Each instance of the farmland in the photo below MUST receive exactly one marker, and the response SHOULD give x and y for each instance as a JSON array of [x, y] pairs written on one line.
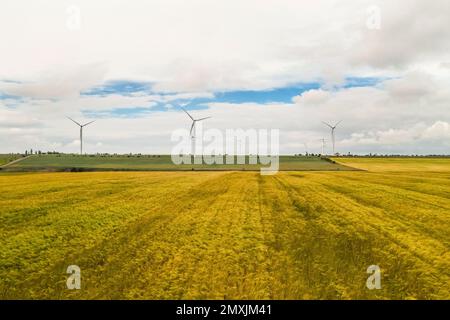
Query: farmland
[[226, 235], [406, 164], [6, 158], [66, 162]]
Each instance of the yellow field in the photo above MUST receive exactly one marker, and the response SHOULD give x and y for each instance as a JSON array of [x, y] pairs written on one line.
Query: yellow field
[[232, 235], [398, 164]]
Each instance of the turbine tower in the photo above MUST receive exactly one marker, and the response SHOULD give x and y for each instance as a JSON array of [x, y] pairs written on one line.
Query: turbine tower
[[332, 133], [193, 128], [323, 145], [81, 132]]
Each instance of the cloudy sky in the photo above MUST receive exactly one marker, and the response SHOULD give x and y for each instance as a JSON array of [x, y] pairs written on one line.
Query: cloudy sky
[[382, 67]]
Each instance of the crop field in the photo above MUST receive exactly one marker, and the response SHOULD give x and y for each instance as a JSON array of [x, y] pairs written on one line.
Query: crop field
[[225, 235], [161, 162], [398, 164]]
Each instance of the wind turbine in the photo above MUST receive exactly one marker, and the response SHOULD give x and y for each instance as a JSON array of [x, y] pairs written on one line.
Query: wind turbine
[[332, 132], [194, 121], [81, 132], [323, 145], [193, 128]]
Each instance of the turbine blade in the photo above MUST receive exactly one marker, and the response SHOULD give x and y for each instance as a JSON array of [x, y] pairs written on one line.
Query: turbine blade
[[203, 119], [73, 121], [187, 113], [192, 127], [84, 125], [327, 124], [337, 123]]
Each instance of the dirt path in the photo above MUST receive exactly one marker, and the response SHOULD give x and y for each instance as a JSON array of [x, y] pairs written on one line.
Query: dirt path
[[15, 161]]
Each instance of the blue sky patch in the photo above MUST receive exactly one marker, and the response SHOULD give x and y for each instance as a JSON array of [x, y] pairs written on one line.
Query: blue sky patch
[[276, 95], [121, 87], [130, 112], [4, 96], [355, 82], [283, 95]]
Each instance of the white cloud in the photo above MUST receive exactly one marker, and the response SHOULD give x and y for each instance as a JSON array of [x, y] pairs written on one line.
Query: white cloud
[[411, 32], [202, 45], [56, 83], [412, 86], [439, 130], [313, 97]]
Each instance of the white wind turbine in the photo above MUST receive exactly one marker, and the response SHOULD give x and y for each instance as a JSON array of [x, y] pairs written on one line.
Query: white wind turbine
[[332, 132], [192, 132], [81, 132]]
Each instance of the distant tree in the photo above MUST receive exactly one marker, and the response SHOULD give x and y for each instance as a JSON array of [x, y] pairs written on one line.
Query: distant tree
[[26, 152]]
